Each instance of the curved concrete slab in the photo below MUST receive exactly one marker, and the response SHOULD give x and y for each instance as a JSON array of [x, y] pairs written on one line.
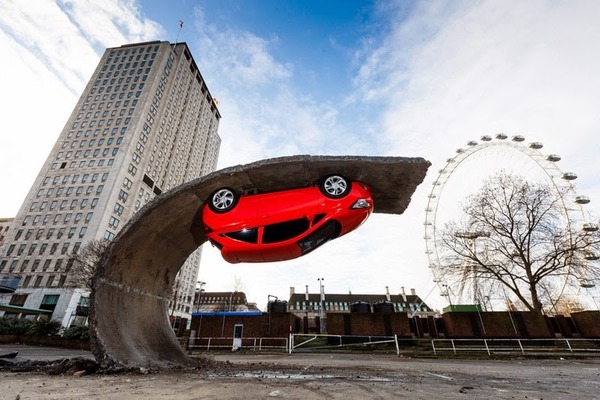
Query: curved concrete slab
[[133, 282]]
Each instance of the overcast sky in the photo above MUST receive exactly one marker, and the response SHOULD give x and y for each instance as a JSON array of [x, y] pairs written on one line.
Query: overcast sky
[[394, 78]]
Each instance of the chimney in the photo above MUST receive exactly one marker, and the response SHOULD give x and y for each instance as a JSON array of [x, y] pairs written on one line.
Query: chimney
[[387, 293], [292, 291], [306, 295], [403, 293], [413, 292]]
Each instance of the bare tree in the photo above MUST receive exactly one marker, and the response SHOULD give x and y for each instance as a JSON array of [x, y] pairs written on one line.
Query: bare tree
[[238, 284], [515, 237], [82, 264]]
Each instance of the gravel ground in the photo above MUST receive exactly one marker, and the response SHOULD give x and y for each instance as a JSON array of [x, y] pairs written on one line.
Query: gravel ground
[[309, 376]]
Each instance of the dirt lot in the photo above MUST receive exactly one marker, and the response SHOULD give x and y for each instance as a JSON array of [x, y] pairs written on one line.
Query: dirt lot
[[314, 376]]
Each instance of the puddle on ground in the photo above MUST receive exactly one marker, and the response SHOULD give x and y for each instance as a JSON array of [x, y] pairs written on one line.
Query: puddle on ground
[[299, 377]]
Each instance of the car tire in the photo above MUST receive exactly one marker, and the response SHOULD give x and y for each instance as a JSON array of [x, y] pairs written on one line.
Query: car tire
[[334, 186], [223, 200]]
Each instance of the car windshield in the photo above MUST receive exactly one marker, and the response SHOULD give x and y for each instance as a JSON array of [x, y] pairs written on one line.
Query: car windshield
[[284, 230], [319, 237]]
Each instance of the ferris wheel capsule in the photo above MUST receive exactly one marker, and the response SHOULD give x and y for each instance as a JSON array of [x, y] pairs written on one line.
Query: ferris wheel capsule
[[590, 227], [501, 136], [518, 138], [536, 145], [569, 176], [553, 157], [582, 200], [486, 138], [586, 283]]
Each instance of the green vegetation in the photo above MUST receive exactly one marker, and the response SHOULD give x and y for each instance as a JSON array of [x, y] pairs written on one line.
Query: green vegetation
[[41, 327], [77, 333]]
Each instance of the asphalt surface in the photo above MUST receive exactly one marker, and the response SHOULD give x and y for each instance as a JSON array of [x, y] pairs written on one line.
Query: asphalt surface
[[316, 376]]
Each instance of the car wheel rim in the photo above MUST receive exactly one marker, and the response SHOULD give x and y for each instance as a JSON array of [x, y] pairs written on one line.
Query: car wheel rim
[[335, 185], [223, 199]]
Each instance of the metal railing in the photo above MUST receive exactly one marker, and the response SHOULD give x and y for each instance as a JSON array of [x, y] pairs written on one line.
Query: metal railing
[[323, 342], [517, 346], [316, 342], [249, 343]]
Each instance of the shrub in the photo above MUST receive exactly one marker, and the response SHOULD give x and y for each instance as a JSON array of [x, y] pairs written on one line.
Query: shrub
[[44, 326], [11, 326], [77, 333]]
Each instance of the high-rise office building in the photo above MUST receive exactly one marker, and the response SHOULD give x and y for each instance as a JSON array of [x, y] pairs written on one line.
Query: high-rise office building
[[144, 124]]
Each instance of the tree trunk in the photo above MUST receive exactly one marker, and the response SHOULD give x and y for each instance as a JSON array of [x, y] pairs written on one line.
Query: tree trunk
[[535, 300]]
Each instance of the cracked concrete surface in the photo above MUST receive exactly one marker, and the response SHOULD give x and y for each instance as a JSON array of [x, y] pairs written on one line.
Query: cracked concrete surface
[[133, 282]]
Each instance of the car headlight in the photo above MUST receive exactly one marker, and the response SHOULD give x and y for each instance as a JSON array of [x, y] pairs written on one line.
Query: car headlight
[[361, 203]]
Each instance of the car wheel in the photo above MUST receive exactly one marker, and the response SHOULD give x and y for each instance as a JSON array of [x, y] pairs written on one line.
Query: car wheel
[[223, 200], [334, 186]]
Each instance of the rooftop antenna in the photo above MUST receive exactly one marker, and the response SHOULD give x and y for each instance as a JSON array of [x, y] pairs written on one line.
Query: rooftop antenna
[[178, 32]]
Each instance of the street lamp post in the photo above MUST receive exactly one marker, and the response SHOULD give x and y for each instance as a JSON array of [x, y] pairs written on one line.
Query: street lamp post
[[199, 291], [321, 303]]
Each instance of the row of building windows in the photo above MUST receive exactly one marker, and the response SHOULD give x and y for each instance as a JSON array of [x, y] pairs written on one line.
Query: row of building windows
[[100, 122], [131, 62], [82, 164], [50, 281], [139, 57], [119, 67], [106, 114], [93, 177], [64, 204], [60, 191], [45, 267], [48, 234], [93, 142], [52, 247], [87, 153], [117, 104], [344, 306], [106, 97], [56, 218], [107, 85], [133, 50]]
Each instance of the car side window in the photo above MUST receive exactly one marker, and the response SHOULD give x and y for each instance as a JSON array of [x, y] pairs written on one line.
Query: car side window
[[285, 230], [245, 235]]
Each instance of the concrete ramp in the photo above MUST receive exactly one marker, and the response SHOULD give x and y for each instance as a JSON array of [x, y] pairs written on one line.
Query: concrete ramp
[[134, 281]]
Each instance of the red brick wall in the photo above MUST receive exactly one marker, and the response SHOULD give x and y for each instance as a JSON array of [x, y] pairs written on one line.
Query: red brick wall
[[588, 323], [368, 324], [495, 324], [254, 325]]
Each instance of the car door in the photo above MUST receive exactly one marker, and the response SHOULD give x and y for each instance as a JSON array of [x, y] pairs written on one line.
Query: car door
[[287, 205], [278, 240]]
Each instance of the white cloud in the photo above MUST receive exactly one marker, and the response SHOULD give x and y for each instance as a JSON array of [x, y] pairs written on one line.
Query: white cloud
[[111, 23], [241, 57], [264, 114], [40, 28], [53, 49]]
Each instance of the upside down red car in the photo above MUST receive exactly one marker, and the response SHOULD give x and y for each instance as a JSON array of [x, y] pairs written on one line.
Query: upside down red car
[[286, 224]]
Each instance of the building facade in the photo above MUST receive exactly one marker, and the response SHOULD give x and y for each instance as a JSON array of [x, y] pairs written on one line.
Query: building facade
[[222, 302], [316, 304], [145, 123], [4, 225]]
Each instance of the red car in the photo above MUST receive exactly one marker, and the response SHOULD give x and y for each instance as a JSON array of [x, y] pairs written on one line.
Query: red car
[[286, 224]]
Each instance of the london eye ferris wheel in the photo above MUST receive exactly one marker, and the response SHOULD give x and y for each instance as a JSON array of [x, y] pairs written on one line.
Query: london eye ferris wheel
[[466, 168]]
